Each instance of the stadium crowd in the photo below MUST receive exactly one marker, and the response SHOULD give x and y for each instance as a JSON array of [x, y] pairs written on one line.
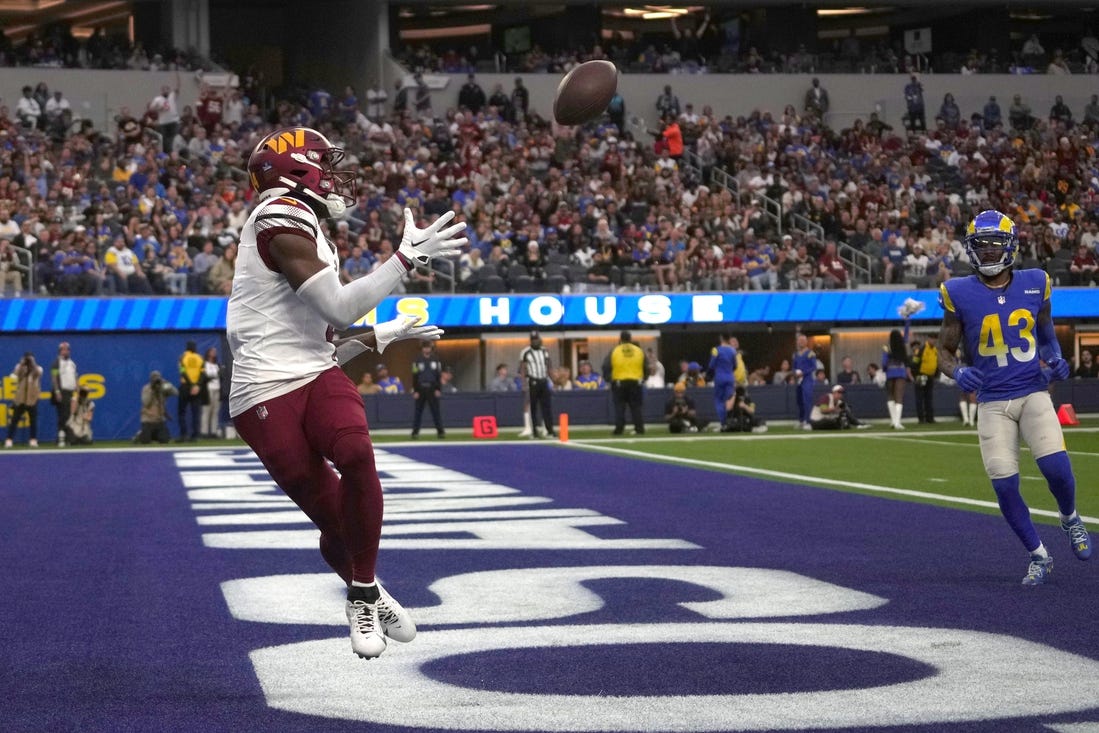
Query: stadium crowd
[[54, 46], [155, 205], [703, 44]]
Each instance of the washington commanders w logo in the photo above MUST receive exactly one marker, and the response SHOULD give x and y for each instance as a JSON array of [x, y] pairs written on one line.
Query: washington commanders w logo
[[289, 139]]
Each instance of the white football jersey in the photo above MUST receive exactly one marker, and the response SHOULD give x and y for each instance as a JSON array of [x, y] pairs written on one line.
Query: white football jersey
[[278, 342]]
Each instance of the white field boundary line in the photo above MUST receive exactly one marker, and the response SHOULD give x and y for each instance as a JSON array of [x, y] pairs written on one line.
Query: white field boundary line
[[927, 441], [802, 478]]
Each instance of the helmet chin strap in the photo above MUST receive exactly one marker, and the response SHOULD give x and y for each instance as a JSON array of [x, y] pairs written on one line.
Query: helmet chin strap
[[337, 207], [333, 203]]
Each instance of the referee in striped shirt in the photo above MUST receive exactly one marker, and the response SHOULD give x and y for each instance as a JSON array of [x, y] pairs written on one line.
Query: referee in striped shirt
[[534, 367]]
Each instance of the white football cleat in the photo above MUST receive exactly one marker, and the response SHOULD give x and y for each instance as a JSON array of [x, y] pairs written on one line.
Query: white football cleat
[[366, 629], [396, 622]]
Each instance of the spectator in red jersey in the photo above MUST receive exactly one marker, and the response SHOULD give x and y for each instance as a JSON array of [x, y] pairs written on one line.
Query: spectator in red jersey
[[209, 109], [832, 270], [1084, 269]]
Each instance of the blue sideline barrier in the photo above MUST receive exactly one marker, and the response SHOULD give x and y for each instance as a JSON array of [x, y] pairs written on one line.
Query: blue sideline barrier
[[74, 315]]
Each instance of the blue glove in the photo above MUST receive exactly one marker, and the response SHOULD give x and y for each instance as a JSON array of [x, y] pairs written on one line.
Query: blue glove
[[969, 378], [1058, 367]]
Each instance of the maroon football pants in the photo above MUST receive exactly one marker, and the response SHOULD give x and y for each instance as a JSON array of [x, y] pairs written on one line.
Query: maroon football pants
[[295, 435]]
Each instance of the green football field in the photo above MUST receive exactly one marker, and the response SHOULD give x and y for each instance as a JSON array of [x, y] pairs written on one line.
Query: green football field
[[939, 464]]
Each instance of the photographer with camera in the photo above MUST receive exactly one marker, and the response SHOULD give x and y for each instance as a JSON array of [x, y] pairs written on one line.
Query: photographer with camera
[[154, 411], [28, 386], [740, 414], [80, 418], [833, 413], [680, 413]]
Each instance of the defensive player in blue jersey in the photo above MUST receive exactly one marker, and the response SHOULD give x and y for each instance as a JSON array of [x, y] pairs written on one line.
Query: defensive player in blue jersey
[[805, 365], [1003, 321], [722, 365]]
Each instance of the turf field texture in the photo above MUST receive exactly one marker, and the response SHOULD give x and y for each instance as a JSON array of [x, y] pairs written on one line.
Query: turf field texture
[[937, 464], [695, 583]]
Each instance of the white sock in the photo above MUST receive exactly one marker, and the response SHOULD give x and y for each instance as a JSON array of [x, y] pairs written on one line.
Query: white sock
[[528, 426], [1041, 552], [358, 584], [972, 413], [899, 407], [1069, 518], [964, 407], [892, 413]]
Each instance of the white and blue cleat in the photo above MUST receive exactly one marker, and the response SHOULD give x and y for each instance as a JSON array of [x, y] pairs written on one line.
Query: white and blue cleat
[[1078, 537], [1039, 571]]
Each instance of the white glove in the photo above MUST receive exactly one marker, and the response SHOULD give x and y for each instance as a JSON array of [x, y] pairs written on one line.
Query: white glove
[[418, 246], [404, 327]]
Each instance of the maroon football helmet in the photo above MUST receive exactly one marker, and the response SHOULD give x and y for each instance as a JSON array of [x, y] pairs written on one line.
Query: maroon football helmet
[[303, 161]]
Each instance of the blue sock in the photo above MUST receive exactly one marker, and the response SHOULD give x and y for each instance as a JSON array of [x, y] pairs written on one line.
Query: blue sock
[[1015, 511], [722, 392], [1057, 469]]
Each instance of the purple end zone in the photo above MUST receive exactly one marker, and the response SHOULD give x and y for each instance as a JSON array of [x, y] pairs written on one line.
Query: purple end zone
[[113, 618]]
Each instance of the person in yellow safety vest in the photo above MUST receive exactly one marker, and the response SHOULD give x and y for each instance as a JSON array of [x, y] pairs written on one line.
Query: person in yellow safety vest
[[625, 367], [925, 365], [740, 374], [192, 391]]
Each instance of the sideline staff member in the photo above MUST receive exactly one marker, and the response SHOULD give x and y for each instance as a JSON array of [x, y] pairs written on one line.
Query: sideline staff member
[[534, 367], [624, 368], [427, 386]]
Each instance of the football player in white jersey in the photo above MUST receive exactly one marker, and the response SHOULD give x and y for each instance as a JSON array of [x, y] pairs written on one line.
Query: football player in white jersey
[[289, 399]]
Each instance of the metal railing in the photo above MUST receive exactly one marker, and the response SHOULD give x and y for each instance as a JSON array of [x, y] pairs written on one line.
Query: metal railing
[[802, 223], [445, 270], [859, 263], [772, 208]]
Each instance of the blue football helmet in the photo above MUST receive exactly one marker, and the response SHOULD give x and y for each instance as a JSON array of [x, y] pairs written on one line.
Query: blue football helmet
[[991, 242]]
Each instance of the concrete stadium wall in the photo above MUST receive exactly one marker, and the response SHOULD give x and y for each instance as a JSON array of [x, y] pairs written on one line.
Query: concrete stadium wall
[[98, 95], [851, 95]]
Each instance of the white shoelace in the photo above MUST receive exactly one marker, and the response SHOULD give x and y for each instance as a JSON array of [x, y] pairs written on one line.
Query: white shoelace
[[1077, 533], [364, 619]]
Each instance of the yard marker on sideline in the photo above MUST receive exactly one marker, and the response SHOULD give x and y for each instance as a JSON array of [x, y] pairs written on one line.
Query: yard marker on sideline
[[563, 427], [1067, 415]]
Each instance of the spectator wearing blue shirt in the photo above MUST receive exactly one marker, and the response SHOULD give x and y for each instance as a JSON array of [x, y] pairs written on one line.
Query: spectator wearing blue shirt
[[360, 263], [991, 114], [893, 259], [349, 105], [464, 195], [145, 239], [319, 103], [412, 191], [389, 385], [588, 379], [761, 271], [69, 270]]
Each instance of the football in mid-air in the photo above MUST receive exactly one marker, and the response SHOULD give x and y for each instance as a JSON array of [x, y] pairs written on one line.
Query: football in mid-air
[[585, 92]]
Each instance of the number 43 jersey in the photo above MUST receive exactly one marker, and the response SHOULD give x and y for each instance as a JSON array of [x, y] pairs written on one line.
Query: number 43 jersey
[[998, 331]]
